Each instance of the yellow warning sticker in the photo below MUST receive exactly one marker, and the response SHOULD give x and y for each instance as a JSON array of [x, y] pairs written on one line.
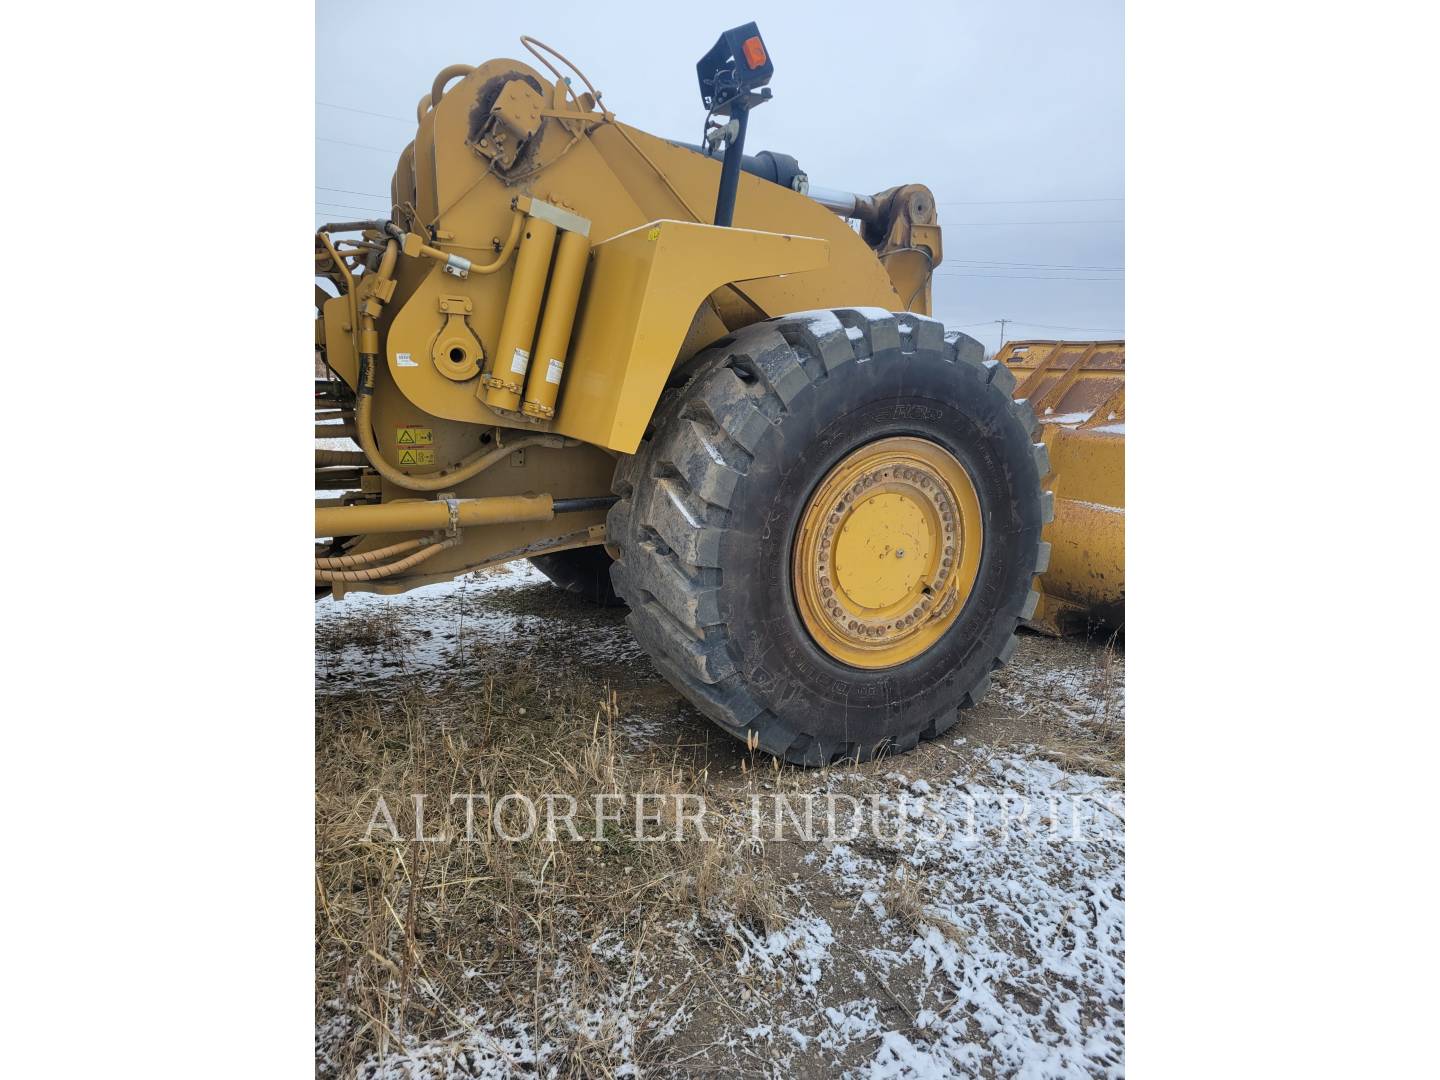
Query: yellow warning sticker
[[417, 457], [414, 436]]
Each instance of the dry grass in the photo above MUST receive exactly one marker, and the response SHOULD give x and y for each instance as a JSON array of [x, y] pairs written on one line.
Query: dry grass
[[471, 954], [903, 898], [379, 629], [1093, 740], [415, 938]]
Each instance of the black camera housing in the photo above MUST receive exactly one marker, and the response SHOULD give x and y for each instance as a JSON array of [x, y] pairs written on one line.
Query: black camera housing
[[737, 64]]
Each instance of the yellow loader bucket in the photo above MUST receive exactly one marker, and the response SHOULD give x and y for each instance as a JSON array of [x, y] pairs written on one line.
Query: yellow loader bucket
[[1077, 389]]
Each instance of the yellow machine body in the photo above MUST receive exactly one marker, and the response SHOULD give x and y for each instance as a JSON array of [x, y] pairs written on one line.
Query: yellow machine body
[[1077, 389], [497, 347], [543, 270]]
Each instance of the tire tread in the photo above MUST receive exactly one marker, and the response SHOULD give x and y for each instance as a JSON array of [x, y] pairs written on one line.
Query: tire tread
[[677, 488]]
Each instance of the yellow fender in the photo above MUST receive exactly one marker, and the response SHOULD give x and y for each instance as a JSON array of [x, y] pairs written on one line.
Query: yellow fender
[[645, 287]]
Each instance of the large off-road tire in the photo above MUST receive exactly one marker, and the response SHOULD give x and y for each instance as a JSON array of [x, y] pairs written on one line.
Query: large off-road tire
[[582, 571], [746, 447]]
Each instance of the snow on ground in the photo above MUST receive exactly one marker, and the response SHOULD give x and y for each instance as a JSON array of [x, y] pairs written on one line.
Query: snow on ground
[[1013, 964], [986, 938], [1074, 685], [1022, 936], [424, 631]]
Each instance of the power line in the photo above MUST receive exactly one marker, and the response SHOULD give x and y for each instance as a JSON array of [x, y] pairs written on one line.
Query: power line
[[948, 202], [1006, 271], [1031, 277], [364, 112], [1087, 329], [986, 264], [1011, 202], [351, 206], [1038, 326], [1088, 221], [372, 195], [361, 146]]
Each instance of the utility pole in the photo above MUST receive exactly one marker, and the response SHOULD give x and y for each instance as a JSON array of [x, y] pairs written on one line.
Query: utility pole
[[1002, 323]]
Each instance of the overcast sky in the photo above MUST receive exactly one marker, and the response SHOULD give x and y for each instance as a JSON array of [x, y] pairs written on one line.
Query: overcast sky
[[997, 105]]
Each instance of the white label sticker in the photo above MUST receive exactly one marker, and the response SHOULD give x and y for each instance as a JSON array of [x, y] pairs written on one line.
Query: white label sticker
[[520, 361], [402, 359], [552, 372]]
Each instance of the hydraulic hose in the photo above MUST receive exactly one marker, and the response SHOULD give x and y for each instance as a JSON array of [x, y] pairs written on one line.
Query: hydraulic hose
[[473, 465], [365, 558], [375, 573], [516, 224], [351, 226], [414, 245], [364, 432]]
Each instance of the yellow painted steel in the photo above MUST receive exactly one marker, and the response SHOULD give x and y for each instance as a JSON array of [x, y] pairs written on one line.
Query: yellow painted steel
[[418, 515], [645, 287], [415, 246], [618, 178], [339, 339], [1077, 389], [553, 342], [506, 380], [636, 283], [887, 552]]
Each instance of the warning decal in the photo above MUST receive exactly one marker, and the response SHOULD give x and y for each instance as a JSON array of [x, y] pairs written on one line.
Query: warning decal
[[520, 361], [414, 436], [417, 457], [402, 359], [552, 373]]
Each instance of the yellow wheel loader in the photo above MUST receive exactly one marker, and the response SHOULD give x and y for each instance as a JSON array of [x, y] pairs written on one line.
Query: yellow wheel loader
[[681, 378]]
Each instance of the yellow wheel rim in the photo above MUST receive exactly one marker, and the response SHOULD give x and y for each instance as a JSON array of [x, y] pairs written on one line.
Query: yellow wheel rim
[[887, 552]]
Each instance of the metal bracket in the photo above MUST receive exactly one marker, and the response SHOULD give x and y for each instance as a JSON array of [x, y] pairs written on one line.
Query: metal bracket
[[456, 350], [719, 133], [558, 216], [512, 122]]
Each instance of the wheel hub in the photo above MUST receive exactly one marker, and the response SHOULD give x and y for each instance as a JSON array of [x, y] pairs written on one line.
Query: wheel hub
[[887, 552]]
